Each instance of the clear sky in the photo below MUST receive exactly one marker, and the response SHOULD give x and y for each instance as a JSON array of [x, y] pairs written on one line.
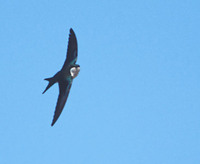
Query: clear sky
[[136, 99]]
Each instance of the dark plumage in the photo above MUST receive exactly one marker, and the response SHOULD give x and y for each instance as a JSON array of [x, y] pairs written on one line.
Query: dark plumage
[[65, 76]]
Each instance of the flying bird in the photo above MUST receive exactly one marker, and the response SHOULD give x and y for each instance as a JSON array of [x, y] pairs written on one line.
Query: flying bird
[[65, 76]]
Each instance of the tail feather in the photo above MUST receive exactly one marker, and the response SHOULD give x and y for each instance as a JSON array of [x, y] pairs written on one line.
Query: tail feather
[[51, 82]]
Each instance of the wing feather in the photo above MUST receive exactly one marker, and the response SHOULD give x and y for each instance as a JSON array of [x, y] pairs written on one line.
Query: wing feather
[[72, 49], [64, 88]]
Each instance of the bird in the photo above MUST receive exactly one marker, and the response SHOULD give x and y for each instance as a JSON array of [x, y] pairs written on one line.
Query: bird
[[65, 76]]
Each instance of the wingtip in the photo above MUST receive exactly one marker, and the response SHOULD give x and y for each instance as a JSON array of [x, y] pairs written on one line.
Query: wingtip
[[52, 123], [71, 30]]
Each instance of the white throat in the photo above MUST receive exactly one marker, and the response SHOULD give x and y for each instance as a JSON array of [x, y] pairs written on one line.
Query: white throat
[[74, 71]]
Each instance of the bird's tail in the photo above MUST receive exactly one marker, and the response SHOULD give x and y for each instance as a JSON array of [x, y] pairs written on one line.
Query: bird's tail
[[52, 81]]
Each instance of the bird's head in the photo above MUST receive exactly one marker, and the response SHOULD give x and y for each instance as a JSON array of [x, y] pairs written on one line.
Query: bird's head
[[74, 70]]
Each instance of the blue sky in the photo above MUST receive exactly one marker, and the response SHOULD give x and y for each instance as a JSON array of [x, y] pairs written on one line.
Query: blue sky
[[136, 99]]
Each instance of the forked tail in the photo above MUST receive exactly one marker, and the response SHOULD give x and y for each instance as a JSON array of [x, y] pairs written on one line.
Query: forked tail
[[52, 81]]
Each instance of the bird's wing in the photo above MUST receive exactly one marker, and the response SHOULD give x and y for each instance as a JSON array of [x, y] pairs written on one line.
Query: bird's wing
[[64, 88], [72, 50]]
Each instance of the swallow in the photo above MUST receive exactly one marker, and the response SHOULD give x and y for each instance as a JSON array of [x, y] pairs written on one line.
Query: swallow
[[65, 76]]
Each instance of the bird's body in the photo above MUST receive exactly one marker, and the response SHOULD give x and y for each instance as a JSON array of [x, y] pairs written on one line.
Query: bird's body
[[65, 76]]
